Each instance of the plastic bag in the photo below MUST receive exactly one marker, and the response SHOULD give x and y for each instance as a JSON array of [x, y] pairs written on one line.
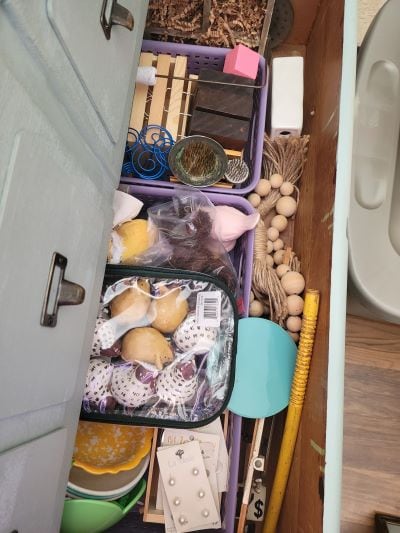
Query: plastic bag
[[184, 224]]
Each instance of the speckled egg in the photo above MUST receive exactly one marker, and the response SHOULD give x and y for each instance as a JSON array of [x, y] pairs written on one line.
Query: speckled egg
[[178, 383], [98, 379], [133, 386], [190, 336], [100, 338]]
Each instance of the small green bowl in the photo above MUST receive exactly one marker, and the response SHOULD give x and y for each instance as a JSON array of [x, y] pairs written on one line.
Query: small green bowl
[[196, 179], [94, 516]]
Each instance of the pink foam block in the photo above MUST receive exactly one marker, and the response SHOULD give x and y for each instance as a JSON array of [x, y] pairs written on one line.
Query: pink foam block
[[242, 61]]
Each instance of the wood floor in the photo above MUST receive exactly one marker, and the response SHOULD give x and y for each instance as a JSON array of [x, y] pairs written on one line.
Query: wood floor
[[371, 461]]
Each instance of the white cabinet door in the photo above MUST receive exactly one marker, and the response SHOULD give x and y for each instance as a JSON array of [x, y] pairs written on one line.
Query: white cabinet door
[[91, 77], [103, 66], [29, 478], [48, 205], [52, 199]]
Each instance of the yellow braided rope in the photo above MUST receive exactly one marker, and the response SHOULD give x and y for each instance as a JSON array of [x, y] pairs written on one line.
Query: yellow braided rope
[[299, 385]]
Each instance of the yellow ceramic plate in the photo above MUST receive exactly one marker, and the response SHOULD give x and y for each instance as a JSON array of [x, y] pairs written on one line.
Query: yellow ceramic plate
[[110, 448]]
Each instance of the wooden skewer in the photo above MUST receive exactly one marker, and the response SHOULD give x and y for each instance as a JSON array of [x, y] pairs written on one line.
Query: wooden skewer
[[254, 453]]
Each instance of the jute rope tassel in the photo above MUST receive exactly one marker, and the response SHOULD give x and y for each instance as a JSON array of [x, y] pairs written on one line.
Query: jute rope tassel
[[267, 287], [285, 156]]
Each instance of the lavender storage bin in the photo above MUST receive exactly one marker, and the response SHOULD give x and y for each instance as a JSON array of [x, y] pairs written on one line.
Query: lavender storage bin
[[242, 259], [200, 57]]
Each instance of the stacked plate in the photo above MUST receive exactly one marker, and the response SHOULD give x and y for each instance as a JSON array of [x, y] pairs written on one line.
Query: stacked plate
[[109, 460]]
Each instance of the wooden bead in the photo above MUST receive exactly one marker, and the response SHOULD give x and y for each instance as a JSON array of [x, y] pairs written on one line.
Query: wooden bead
[[293, 283], [281, 270], [295, 336], [270, 247], [272, 234], [286, 206], [278, 257], [279, 222], [276, 181], [254, 199], [295, 304], [251, 296], [278, 245], [256, 308], [286, 189], [263, 187], [269, 260], [293, 324]]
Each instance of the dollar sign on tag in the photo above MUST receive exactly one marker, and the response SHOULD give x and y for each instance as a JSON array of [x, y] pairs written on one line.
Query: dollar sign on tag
[[256, 509], [259, 504]]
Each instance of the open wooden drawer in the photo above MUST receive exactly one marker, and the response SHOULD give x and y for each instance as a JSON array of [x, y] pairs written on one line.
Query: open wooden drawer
[[327, 29], [325, 32]]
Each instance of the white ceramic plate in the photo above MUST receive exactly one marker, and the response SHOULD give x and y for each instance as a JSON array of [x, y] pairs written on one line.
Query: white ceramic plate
[[105, 486]]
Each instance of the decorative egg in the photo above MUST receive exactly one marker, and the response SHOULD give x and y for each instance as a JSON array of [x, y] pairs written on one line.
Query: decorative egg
[[293, 324], [270, 247], [295, 304], [146, 345], [256, 308], [286, 206], [191, 336], [286, 189], [98, 379], [269, 260], [281, 270], [177, 384], [169, 307], [279, 257], [278, 244], [99, 341], [276, 180], [133, 302], [279, 222], [133, 386], [263, 187], [272, 234], [293, 283], [254, 199]]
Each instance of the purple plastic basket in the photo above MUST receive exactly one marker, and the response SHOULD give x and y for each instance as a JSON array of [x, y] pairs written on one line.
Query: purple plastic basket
[[242, 259], [213, 58]]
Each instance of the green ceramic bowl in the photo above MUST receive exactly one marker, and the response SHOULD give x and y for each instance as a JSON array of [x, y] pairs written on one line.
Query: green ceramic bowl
[[94, 516]]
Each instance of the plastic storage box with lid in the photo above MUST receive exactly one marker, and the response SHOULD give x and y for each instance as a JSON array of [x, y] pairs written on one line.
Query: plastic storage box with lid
[[200, 57]]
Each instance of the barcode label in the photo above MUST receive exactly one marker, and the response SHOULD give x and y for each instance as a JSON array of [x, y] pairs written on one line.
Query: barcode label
[[208, 309]]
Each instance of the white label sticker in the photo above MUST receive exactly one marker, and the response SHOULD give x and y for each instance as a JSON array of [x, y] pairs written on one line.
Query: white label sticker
[[208, 309]]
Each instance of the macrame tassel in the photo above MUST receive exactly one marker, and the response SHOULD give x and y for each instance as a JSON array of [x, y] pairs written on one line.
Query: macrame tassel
[[285, 156]]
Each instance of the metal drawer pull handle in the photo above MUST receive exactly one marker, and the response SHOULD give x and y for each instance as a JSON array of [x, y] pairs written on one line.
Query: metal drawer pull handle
[[59, 291], [112, 14]]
